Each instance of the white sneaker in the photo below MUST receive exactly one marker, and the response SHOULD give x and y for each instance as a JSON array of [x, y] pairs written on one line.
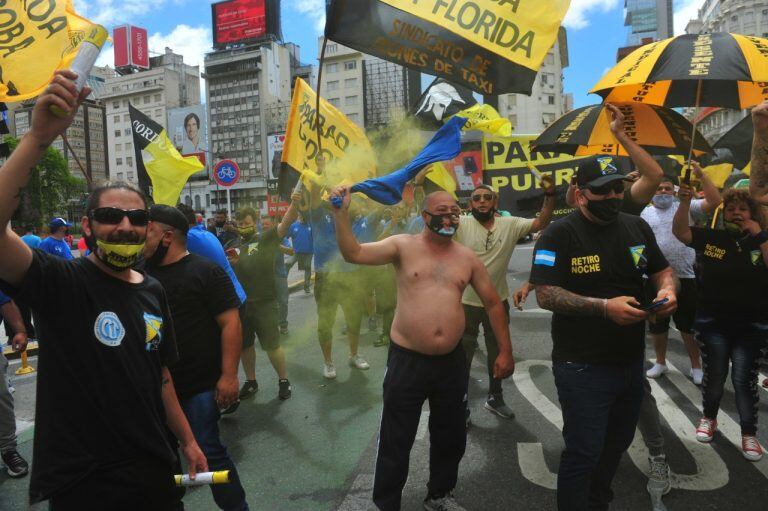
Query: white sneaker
[[656, 371], [358, 362], [697, 375], [329, 371]]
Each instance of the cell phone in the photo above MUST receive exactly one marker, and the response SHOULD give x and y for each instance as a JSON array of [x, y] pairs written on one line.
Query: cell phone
[[655, 305]]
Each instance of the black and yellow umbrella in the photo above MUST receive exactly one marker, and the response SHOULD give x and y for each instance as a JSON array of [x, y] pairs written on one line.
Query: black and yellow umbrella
[[587, 131], [738, 140], [719, 69]]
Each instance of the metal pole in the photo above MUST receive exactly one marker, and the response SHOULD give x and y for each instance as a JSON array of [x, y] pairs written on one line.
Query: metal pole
[[317, 99], [87, 174], [229, 205], [687, 176]]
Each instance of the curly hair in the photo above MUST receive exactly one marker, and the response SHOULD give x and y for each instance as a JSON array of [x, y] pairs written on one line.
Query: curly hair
[[740, 195]]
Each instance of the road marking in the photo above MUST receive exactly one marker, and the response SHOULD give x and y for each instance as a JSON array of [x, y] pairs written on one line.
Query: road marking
[[359, 495], [727, 426], [711, 471], [421, 431], [535, 468], [22, 426], [535, 310]]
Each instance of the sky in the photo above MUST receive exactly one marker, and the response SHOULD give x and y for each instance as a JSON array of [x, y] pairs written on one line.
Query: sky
[[595, 31]]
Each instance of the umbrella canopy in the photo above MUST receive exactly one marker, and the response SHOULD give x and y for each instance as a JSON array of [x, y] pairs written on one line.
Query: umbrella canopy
[[587, 130], [719, 69], [738, 140]]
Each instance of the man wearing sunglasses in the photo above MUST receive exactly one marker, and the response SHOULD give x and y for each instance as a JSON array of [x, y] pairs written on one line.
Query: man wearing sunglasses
[[493, 239], [588, 269], [105, 398], [426, 359]]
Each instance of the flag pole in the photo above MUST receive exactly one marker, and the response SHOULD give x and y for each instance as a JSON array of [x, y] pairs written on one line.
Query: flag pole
[[87, 174]]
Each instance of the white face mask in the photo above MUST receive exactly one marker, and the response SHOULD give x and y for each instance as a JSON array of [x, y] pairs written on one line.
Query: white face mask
[[663, 201]]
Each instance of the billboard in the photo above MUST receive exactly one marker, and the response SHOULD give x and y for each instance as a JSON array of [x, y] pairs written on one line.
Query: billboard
[[275, 142], [237, 21], [188, 130], [131, 47]]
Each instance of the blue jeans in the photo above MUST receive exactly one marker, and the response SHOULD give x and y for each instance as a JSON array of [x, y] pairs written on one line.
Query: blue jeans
[[724, 340], [281, 287], [203, 415], [601, 406]]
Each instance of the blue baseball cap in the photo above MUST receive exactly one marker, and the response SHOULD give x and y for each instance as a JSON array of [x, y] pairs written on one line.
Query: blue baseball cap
[[58, 222]]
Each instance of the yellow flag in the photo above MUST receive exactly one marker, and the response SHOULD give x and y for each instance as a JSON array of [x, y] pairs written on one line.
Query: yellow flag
[[348, 153], [485, 118], [38, 38], [439, 175], [748, 169], [168, 170], [718, 173]]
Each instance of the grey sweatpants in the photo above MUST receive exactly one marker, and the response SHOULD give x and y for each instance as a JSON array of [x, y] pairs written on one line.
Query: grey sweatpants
[[7, 417]]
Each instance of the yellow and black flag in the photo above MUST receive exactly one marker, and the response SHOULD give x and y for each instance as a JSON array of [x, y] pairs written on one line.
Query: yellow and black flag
[[163, 172], [491, 46]]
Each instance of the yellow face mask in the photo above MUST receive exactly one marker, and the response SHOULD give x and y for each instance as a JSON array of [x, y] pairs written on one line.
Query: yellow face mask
[[118, 256]]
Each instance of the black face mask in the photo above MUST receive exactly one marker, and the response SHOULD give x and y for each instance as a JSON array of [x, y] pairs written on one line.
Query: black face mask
[[605, 210], [156, 259], [483, 217], [220, 224], [436, 224]]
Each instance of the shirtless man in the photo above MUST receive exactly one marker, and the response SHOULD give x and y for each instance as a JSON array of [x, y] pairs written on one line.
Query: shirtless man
[[426, 359]]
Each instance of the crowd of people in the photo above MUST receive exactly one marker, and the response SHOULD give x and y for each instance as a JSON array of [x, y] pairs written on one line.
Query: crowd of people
[[168, 308]]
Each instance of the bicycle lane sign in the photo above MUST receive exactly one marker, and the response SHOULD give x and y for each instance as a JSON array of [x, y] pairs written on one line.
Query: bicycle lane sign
[[226, 173]]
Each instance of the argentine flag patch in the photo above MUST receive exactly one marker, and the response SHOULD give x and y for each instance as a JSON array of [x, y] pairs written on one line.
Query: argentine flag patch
[[544, 258]]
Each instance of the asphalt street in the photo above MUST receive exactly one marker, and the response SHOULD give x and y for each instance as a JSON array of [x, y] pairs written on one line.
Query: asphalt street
[[316, 451]]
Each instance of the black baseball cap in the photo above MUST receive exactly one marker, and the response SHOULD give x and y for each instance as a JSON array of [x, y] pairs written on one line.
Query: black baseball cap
[[170, 216], [597, 171]]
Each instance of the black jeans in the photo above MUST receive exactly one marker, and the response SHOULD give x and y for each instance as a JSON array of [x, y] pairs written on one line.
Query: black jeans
[[474, 317], [411, 379], [741, 343], [601, 406]]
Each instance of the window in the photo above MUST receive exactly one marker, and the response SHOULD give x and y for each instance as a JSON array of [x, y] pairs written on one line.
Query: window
[[350, 65], [118, 147], [130, 176], [126, 118], [333, 85], [350, 100], [129, 161], [331, 48], [119, 176], [353, 116], [119, 161], [332, 68], [129, 146], [157, 98], [334, 101], [734, 18], [127, 131], [550, 99], [158, 113], [117, 133], [765, 12], [548, 119], [146, 100], [550, 60], [115, 105], [350, 82], [513, 119], [116, 118], [544, 78]]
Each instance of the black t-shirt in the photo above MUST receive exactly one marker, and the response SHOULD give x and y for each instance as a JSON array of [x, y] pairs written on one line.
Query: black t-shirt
[[198, 290], [601, 261], [734, 279], [103, 343], [256, 267]]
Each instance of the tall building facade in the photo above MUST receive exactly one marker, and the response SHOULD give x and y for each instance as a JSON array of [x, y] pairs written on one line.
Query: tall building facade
[[370, 91], [748, 17], [548, 100], [243, 84], [168, 83], [648, 19], [86, 136]]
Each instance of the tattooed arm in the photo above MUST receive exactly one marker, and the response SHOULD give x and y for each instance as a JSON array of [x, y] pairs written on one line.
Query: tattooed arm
[[623, 310], [16, 172], [758, 181]]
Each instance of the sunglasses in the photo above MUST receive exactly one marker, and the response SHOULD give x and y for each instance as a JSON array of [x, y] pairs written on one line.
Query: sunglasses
[[482, 196], [615, 186], [113, 216]]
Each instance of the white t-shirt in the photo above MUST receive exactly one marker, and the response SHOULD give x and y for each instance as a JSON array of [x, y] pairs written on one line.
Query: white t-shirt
[[680, 256], [494, 248]]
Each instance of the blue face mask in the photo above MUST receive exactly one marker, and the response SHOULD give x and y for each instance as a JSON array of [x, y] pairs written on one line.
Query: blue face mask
[[663, 201]]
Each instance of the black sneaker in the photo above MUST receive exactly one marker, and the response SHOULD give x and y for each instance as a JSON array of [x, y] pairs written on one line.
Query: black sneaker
[[249, 388], [381, 340], [231, 408], [442, 503], [15, 464], [284, 391], [496, 404], [283, 329]]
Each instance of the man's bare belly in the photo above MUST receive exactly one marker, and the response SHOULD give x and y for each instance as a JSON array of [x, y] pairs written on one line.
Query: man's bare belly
[[428, 321]]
